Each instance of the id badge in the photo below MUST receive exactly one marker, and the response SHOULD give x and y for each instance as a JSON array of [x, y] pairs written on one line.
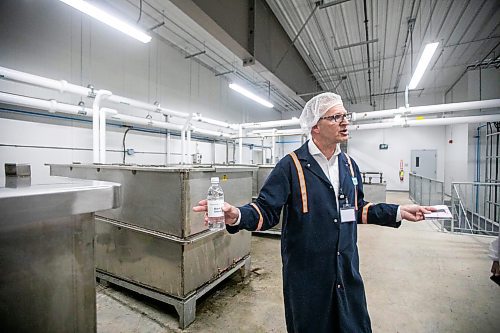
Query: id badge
[[347, 214], [354, 181]]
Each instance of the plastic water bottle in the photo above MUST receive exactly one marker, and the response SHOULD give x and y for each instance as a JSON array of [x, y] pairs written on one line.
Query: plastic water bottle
[[215, 199]]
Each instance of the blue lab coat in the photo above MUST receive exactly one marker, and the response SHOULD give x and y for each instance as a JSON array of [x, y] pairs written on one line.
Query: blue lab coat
[[322, 286]]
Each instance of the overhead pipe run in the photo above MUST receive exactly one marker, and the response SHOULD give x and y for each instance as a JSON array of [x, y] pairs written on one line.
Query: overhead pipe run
[[199, 117], [272, 123], [427, 109], [427, 122], [287, 132], [50, 105], [147, 106], [210, 132], [99, 120], [99, 115], [61, 86]]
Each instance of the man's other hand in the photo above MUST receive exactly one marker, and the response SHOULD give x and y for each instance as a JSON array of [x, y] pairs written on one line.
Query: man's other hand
[[414, 213]]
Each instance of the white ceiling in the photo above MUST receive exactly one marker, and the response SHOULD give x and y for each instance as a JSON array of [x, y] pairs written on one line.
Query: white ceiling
[[468, 32]]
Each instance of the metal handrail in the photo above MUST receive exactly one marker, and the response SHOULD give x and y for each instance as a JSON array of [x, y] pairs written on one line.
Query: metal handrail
[[416, 190], [462, 208], [474, 214]]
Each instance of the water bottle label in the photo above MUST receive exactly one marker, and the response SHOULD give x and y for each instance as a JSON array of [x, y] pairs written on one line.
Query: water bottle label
[[215, 208]]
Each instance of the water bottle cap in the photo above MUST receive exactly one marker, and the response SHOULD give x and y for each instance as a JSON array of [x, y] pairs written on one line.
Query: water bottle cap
[[214, 180]]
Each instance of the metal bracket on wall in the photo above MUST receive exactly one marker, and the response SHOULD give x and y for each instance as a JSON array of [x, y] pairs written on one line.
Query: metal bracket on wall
[[249, 61], [195, 54]]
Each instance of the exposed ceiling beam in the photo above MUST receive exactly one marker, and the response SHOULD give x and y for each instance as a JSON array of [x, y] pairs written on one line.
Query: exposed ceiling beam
[[355, 44], [322, 72], [332, 3]]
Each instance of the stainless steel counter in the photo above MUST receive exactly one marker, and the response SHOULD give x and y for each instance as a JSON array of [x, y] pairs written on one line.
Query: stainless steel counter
[[47, 282]]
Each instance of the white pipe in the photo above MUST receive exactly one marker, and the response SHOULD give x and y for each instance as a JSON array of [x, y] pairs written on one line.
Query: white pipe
[[98, 131], [64, 86], [100, 96], [51, 105], [212, 146], [263, 152], [145, 121], [199, 117], [188, 154], [183, 142], [428, 122], [294, 131], [240, 144], [272, 123], [169, 148], [210, 132], [426, 109], [147, 106], [61, 86]]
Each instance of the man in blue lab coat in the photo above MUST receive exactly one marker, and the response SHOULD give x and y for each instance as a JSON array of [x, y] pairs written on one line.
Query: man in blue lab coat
[[320, 191]]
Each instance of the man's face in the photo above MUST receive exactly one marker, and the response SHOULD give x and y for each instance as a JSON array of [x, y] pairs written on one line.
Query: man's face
[[330, 131]]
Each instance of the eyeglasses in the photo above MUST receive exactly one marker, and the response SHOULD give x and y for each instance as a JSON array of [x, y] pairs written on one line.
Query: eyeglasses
[[338, 118]]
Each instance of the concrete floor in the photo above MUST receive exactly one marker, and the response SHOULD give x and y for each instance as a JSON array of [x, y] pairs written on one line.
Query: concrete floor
[[417, 280]]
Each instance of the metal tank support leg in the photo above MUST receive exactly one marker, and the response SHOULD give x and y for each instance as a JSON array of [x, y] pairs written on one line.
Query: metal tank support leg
[[187, 311], [245, 269], [186, 307]]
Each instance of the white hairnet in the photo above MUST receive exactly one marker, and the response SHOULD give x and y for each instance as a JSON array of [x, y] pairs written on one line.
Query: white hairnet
[[316, 107]]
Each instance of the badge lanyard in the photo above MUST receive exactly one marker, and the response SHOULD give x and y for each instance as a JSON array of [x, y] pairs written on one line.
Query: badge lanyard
[[347, 213], [354, 181]]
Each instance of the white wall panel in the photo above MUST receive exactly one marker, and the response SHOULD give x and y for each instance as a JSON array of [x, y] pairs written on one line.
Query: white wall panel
[[364, 148]]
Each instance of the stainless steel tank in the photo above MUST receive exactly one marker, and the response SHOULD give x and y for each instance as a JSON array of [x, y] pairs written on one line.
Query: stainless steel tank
[[154, 243]]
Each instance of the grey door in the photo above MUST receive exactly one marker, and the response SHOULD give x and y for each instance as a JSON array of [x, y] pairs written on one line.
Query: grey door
[[424, 162]]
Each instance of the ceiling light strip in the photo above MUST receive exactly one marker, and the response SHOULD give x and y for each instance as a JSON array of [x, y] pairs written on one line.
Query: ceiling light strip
[[250, 95], [108, 19]]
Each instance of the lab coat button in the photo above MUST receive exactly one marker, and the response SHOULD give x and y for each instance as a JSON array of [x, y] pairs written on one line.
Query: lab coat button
[[335, 220], [308, 165], [338, 286], [338, 253]]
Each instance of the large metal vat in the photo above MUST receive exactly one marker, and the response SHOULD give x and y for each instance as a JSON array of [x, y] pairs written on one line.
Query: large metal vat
[[47, 282], [154, 243]]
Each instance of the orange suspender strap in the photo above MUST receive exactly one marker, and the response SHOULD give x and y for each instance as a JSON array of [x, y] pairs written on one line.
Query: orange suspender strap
[[355, 186], [261, 219], [364, 215], [302, 182]]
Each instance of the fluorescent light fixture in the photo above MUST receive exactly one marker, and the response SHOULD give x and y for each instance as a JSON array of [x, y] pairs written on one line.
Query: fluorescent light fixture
[[108, 19], [250, 95], [424, 61]]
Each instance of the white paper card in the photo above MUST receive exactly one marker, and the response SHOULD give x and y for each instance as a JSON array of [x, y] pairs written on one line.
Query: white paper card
[[442, 213], [347, 215]]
